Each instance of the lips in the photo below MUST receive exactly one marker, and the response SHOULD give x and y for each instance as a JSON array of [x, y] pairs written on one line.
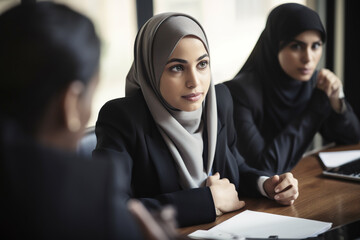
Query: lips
[[193, 97], [305, 71]]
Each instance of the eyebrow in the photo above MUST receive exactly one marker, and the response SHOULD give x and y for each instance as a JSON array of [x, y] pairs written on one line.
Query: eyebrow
[[184, 61], [303, 43]]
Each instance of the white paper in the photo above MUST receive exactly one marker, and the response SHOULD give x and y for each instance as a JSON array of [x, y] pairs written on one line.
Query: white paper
[[336, 159], [254, 224]]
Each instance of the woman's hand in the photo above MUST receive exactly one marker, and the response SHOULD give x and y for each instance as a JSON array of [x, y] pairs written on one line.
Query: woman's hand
[[328, 82], [224, 194], [283, 188]]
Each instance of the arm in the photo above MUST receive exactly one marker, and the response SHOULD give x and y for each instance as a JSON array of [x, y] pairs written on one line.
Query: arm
[[117, 134], [342, 126], [283, 188], [283, 152], [234, 166]]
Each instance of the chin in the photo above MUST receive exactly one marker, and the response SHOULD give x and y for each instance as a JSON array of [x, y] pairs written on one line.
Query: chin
[[191, 108], [303, 78]]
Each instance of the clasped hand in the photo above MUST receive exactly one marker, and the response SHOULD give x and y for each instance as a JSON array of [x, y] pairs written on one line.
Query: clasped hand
[[282, 188]]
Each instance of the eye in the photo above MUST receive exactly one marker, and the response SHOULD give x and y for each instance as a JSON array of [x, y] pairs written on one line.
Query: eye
[[177, 68], [295, 46], [316, 45], [203, 64]]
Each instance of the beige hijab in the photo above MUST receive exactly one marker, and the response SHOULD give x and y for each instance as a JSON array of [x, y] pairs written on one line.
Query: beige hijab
[[182, 131]]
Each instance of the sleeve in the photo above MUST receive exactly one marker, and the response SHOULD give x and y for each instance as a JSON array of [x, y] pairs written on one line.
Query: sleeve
[[287, 148], [116, 136], [247, 177], [342, 128]]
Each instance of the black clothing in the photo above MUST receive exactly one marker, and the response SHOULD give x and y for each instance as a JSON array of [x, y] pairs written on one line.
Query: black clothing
[[127, 127], [276, 116], [275, 148], [283, 95], [51, 194]]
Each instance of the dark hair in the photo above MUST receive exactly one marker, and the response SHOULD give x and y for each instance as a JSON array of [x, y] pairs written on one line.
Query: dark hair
[[43, 48]]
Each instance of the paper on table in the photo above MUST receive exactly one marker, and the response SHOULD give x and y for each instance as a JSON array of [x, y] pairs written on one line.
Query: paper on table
[[254, 224], [336, 159]]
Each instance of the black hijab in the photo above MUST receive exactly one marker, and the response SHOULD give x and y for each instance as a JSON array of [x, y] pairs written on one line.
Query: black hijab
[[284, 97]]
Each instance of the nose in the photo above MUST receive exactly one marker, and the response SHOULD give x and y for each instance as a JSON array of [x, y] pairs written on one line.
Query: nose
[[306, 56], [192, 79]]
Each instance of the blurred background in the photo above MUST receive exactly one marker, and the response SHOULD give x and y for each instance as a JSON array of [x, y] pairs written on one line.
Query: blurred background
[[232, 27]]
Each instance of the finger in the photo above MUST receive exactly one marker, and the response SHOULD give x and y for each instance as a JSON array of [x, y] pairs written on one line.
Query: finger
[[335, 89], [225, 180], [270, 184], [286, 201], [286, 181], [211, 179], [325, 80], [240, 204], [274, 180], [322, 76], [282, 184], [289, 194]]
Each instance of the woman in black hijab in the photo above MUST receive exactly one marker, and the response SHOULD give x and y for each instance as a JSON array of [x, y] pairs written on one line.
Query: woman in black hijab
[[281, 100]]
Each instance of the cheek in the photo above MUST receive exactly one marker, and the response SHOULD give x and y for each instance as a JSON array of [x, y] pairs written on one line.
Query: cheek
[[169, 88], [286, 61], [318, 55]]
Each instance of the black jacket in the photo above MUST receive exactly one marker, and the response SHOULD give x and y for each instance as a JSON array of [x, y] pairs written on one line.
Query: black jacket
[[127, 127], [274, 150], [51, 194]]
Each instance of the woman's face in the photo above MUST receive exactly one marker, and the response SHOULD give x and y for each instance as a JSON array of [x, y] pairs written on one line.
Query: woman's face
[[300, 57], [185, 80]]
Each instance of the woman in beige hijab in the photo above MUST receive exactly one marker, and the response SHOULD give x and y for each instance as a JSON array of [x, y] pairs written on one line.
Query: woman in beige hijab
[[174, 129]]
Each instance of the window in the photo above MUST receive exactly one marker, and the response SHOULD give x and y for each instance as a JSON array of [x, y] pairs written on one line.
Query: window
[[232, 27]]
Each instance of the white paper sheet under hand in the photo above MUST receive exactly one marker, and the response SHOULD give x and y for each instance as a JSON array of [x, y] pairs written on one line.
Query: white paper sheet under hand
[[335, 159], [253, 224]]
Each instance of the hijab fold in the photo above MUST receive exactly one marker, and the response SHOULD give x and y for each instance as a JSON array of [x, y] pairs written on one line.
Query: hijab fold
[[182, 131], [284, 97]]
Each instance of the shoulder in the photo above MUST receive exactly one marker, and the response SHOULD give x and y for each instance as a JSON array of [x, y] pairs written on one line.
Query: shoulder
[[223, 96], [224, 102], [124, 109], [124, 104], [246, 84], [247, 91]]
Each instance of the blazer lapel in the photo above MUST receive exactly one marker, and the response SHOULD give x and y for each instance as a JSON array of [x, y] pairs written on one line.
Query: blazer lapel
[[163, 161]]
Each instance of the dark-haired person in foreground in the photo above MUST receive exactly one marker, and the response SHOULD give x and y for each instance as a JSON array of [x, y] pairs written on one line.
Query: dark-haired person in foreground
[[49, 71]]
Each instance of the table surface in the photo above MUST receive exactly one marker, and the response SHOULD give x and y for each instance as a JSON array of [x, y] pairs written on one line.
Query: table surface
[[321, 198]]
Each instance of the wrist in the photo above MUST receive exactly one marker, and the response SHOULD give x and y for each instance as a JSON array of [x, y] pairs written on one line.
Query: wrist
[[218, 212], [337, 105]]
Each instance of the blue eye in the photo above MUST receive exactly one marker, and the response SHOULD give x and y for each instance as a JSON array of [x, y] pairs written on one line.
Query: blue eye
[[177, 68]]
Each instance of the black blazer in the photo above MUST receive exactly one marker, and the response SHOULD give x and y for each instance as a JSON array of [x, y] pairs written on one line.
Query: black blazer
[[278, 150], [127, 127], [51, 194]]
